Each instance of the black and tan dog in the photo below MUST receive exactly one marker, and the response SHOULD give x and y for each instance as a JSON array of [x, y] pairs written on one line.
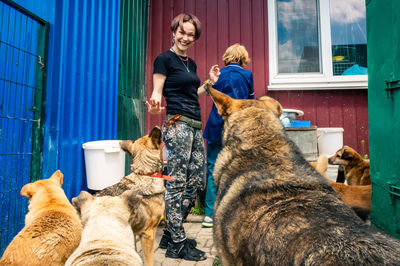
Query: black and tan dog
[[273, 208], [356, 169], [146, 163]]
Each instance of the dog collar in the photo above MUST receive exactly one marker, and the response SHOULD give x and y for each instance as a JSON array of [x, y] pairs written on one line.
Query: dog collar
[[160, 175]]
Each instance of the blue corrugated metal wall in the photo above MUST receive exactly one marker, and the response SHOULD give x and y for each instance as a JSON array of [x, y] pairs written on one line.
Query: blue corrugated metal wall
[[82, 85], [82, 82], [83, 104]]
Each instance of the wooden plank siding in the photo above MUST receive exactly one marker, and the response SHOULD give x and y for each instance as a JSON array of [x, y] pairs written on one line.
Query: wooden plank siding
[[226, 22]]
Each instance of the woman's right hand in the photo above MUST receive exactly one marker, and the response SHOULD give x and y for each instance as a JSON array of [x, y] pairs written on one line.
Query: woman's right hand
[[154, 107]]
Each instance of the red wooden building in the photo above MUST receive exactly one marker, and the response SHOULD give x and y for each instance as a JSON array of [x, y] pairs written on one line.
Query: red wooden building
[[311, 79]]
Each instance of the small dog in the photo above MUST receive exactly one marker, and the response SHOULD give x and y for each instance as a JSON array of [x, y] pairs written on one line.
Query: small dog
[[356, 169], [52, 226], [273, 208], [107, 237], [146, 163], [356, 197]]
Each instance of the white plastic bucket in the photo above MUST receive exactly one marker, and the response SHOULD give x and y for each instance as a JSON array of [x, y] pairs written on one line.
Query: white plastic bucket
[[105, 163], [330, 139]]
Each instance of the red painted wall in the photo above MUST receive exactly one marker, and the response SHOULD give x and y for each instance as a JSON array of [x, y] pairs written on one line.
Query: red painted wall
[[226, 22]]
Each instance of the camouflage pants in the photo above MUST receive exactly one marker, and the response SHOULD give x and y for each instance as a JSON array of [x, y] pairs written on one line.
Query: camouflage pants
[[186, 164]]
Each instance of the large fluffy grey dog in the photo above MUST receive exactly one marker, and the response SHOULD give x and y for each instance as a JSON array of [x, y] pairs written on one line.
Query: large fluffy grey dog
[[273, 208]]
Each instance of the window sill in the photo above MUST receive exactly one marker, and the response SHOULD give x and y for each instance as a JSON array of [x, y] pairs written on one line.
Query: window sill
[[345, 85]]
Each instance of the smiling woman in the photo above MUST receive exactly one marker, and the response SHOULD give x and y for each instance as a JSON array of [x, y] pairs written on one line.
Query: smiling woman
[[175, 78]]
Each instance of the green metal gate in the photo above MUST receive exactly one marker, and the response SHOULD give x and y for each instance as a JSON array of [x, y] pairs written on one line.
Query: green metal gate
[[23, 53], [383, 38], [132, 70]]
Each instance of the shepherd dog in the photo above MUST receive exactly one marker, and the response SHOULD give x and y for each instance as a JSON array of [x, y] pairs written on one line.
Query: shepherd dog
[[356, 169], [147, 180], [273, 207], [356, 197], [107, 237], [52, 226]]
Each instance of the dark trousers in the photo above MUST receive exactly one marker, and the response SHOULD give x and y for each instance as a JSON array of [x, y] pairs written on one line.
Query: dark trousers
[[186, 164], [213, 148]]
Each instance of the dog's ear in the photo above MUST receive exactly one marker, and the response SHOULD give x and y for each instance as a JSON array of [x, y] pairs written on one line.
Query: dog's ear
[[126, 146], [57, 178], [138, 212], [155, 136], [28, 190], [83, 197], [223, 102], [346, 155], [272, 105], [133, 198]]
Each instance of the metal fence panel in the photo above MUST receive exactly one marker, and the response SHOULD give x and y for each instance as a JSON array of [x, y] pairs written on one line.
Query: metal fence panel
[[132, 70], [23, 42]]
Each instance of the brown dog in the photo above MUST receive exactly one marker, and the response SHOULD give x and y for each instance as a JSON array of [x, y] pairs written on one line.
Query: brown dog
[[273, 208], [52, 226], [356, 197], [146, 153], [356, 169], [107, 237]]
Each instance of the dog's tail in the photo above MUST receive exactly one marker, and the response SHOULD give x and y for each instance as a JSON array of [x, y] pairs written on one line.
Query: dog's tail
[[321, 165]]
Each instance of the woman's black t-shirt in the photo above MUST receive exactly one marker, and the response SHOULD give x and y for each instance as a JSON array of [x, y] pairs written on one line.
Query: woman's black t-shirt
[[180, 87]]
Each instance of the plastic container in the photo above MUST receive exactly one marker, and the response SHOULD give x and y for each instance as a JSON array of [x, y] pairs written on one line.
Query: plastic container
[[330, 139], [105, 163], [300, 123], [288, 115]]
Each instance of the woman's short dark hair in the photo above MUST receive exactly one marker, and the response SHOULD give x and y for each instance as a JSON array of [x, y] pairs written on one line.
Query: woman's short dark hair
[[184, 17]]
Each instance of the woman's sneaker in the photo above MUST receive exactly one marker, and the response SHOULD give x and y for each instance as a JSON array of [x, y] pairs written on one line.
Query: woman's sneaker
[[208, 222], [166, 238], [183, 250]]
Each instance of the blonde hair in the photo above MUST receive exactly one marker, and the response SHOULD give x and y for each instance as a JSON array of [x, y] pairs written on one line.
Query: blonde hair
[[236, 54]]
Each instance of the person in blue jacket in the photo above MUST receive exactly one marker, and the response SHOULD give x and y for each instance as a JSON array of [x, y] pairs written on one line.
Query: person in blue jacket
[[236, 82]]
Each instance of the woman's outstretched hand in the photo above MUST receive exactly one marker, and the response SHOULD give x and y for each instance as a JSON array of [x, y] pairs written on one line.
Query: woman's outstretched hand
[[214, 73], [154, 107]]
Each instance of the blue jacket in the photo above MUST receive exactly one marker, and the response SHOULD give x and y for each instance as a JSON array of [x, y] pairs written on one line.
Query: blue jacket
[[236, 82]]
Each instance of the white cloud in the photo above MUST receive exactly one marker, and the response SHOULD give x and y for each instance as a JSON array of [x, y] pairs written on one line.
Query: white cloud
[[342, 11], [289, 10], [347, 11]]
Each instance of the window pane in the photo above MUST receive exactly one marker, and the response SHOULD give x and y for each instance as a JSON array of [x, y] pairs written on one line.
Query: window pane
[[349, 40], [298, 39]]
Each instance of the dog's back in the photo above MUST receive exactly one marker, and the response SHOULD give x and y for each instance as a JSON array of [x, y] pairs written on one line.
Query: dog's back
[[107, 237], [356, 197], [52, 227], [273, 208]]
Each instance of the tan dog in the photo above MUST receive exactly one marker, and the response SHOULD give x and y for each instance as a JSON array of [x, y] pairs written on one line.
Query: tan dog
[[146, 153], [52, 226], [273, 208], [356, 197], [107, 237], [356, 169]]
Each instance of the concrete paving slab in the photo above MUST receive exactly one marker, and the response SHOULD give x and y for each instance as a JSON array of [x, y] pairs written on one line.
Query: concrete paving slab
[[194, 230]]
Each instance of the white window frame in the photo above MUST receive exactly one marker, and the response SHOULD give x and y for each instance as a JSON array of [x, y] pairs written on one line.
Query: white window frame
[[309, 81]]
